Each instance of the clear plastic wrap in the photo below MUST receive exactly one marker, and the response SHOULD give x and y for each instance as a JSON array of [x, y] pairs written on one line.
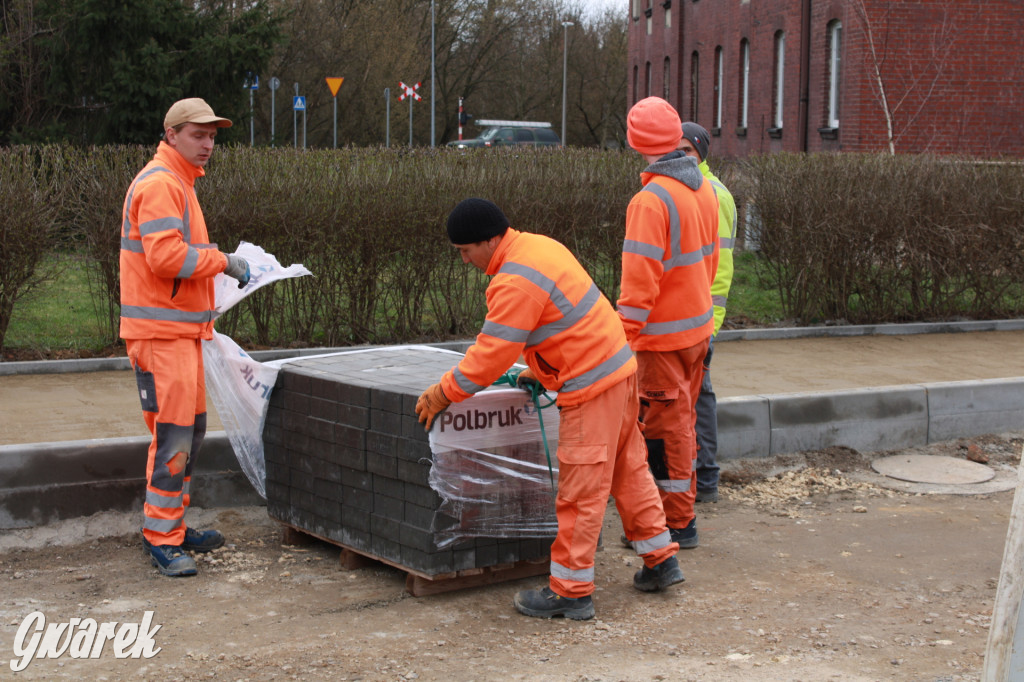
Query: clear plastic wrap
[[238, 385], [491, 469]]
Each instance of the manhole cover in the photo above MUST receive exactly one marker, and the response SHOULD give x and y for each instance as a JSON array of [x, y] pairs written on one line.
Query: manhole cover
[[932, 469]]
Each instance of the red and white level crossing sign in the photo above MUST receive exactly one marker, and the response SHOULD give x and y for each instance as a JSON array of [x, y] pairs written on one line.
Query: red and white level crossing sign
[[409, 91]]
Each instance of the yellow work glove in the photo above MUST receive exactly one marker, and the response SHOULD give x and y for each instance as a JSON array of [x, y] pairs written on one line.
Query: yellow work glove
[[429, 404], [527, 380]]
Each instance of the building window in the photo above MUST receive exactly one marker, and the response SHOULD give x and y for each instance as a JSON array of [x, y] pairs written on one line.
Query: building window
[[668, 14], [636, 83], [694, 84], [666, 81], [636, 10], [835, 39], [647, 80], [778, 80], [716, 115], [744, 101]]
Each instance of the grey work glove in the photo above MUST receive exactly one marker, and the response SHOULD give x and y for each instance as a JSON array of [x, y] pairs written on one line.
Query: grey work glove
[[238, 268]]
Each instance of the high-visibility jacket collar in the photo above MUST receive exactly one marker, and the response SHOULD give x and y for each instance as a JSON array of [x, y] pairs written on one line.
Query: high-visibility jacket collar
[[498, 257], [170, 158]]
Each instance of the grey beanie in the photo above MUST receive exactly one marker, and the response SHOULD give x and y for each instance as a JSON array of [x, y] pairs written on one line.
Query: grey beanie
[[475, 220], [697, 135]]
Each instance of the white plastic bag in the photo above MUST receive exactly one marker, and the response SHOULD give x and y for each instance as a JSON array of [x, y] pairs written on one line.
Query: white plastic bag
[[239, 386]]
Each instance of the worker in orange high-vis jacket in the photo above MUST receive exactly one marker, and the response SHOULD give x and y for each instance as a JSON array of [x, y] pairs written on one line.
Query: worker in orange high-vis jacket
[[669, 260], [167, 270], [542, 305]]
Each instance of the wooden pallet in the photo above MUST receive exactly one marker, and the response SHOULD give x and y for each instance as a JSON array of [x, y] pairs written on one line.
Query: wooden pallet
[[417, 583]]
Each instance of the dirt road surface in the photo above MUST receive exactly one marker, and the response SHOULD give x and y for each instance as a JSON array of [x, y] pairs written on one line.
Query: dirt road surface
[[811, 567]]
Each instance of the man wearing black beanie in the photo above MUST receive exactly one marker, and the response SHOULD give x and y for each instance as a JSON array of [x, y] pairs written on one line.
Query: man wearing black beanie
[[543, 305]]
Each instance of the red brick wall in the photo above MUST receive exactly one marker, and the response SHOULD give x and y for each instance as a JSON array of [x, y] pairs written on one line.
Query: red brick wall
[[953, 72]]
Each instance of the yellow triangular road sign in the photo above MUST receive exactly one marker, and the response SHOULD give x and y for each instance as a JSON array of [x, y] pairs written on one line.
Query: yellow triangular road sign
[[334, 84]]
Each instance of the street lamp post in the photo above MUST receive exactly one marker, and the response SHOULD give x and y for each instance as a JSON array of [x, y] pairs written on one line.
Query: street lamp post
[[565, 70]]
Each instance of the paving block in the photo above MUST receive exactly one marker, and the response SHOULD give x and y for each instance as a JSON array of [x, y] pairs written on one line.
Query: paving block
[[863, 419], [958, 409], [743, 428]]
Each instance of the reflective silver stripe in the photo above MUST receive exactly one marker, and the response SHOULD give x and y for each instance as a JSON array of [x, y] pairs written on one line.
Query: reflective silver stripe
[[162, 501], [659, 328], [505, 332], [138, 312], [583, 575], [675, 234], [719, 301], [186, 487], [635, 314], [691, 258], [189, 265], [185, 228], [133, 245], [671, 486], [160, 525], [653, 544], [529, 274], [571, 316], [643, 249], [606, 368], [464, 383], [160, 225], [726, 242]]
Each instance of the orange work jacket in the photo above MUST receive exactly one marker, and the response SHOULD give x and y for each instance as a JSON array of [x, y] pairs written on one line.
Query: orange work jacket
[[669, 257], [542, 304], [167, 262]]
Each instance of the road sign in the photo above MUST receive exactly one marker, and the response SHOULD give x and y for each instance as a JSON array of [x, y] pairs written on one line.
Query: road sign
[[299, 103], [274, 83], [334, 84], [409, 91]]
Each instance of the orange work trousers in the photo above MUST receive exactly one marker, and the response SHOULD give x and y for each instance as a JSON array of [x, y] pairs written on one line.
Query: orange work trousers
[[601, 452], [669, 387], [172, 388]]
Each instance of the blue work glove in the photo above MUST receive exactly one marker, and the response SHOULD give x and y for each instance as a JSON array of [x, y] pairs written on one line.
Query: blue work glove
[[238, 268]]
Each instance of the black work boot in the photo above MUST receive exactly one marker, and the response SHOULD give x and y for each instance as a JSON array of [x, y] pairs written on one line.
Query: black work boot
[[686, 537], [664, 575], [543, 603], [202, 540]]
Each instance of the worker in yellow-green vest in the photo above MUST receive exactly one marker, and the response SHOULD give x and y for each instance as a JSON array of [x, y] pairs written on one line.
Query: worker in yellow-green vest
[[695, 143]]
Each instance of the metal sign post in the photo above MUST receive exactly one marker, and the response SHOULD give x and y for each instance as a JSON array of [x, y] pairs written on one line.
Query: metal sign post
[[299, 104], [334, 84], [387, 117], [274, 84], [411, 93], [295, 118], [252, 82]]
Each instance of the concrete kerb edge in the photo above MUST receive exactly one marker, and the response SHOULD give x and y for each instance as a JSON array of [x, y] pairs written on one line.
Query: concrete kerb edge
[[725, 335]]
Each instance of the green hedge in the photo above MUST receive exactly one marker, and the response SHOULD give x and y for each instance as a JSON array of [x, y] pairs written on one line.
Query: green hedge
[[858, 238]]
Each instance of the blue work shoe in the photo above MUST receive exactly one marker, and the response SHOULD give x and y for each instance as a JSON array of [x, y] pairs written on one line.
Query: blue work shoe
[[663, 575], [543, 603], [710, 495], [171, 561], [202, 540], [686, 537]]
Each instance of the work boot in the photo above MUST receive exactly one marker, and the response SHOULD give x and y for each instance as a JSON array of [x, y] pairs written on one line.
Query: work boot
[[543, 603], [707, 495], [686, 537], [626, 542], [663, 575], [202, 540], [171, 561]]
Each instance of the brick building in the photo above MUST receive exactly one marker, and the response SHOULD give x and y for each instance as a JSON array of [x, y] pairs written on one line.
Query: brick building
[[800, 75]]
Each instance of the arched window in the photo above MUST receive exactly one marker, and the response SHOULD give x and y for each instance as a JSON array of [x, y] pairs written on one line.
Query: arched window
[[835, 40], [779, 79], [647, 79], [716, 115], [744, 102], [636, 83]]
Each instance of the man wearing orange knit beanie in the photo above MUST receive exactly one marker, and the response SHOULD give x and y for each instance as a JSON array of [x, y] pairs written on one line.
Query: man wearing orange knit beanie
[[669, 259]]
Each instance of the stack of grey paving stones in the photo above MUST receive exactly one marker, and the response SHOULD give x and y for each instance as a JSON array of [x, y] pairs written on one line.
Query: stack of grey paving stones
[[347, 461]]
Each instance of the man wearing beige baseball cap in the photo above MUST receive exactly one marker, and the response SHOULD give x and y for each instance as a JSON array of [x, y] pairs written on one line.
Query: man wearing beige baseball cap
[[167, 299]]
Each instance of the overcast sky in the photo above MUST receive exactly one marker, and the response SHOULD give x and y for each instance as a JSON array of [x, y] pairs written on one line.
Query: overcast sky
[[598, 6]]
